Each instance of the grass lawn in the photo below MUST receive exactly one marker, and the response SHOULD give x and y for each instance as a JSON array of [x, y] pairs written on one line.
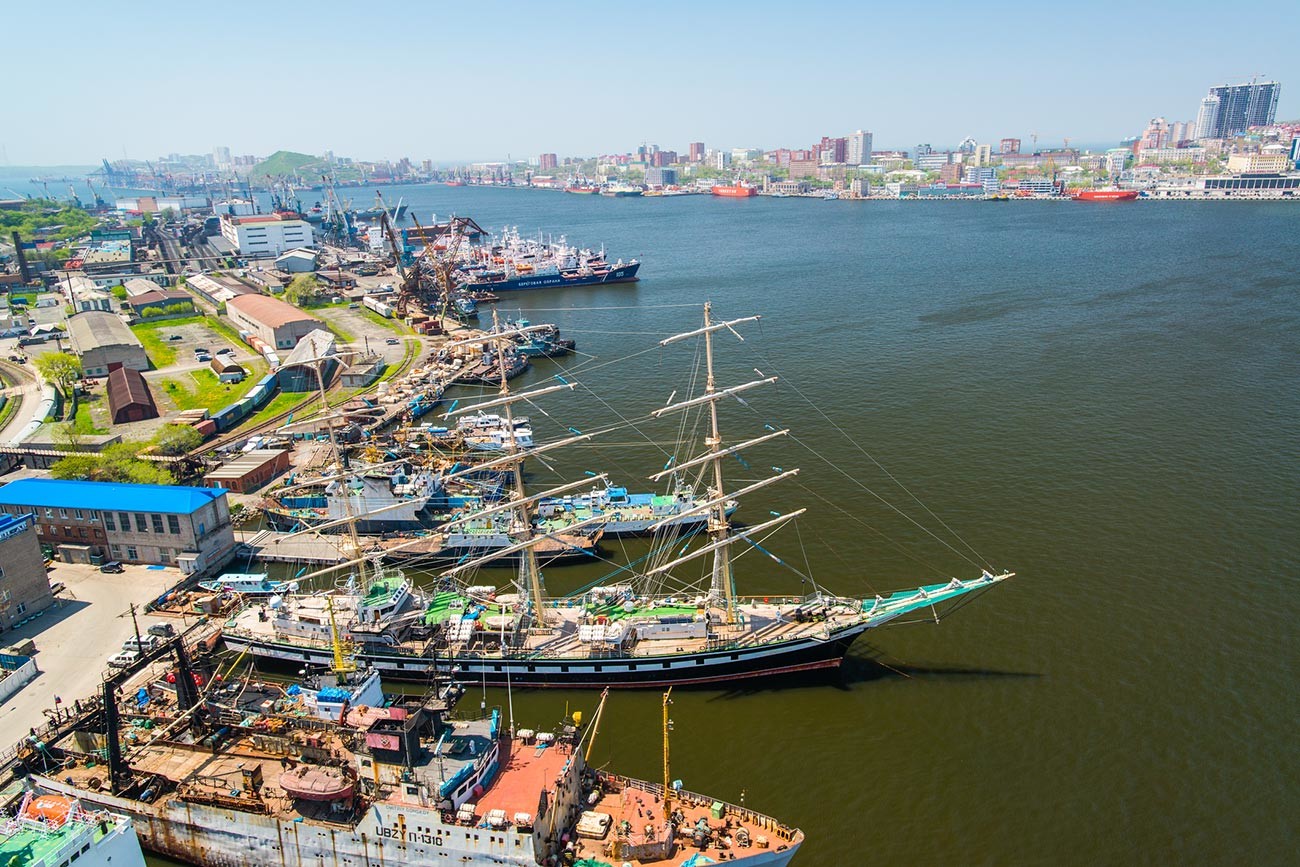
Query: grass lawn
[[199, 389], [162, 352], [84, 420], [278, 404]]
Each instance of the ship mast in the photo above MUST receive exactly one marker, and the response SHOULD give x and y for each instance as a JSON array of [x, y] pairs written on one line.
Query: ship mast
[[668, 727], [722, 589]]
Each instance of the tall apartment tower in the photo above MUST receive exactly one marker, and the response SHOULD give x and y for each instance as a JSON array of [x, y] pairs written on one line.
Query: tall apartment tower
[[859, 148], [1238, 107], [697, 151]]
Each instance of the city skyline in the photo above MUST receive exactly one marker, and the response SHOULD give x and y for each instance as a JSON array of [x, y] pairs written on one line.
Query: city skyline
[[879, 70]]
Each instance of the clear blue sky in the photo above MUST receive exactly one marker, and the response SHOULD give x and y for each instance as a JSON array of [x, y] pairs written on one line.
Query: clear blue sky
[[484, 80]]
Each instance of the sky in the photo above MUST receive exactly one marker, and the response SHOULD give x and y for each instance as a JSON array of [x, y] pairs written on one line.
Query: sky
[[491, 80]]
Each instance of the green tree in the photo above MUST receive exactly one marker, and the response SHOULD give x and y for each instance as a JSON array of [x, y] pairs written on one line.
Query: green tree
[[116, 463], [302, 289], [61, 368], [119, 292], [177, 439], [151, 312]]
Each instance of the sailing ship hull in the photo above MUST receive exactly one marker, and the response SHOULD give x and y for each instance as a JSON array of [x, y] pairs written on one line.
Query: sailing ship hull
[[620, 274], [705, 667]]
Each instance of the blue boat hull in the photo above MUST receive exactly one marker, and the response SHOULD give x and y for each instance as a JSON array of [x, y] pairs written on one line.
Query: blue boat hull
[[623, 274]]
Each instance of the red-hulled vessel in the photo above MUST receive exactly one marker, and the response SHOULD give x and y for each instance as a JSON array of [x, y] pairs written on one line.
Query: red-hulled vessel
[[1115, 195], [734, 191]]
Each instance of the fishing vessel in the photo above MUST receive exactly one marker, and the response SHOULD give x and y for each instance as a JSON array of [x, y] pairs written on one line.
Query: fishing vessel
[[55, 830], [253, 773], [509, 263], [620, 191], [1107, 195], [734, 191], [659, 624]]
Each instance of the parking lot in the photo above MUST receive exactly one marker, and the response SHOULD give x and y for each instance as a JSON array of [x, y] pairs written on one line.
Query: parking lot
[[75, 638], [367, 333]]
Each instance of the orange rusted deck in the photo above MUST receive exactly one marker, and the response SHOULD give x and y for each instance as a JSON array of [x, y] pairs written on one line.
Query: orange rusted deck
[[523, 775]]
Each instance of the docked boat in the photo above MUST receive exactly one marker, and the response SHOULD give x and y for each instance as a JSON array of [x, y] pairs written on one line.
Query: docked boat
[[621, 191], [659, 625], [247, 584], [250, 775], [1106, 195], [54, 830], [734, 191]]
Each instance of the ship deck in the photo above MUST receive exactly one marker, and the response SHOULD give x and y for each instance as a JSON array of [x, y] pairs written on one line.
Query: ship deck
[[526, 769], [640, 805]]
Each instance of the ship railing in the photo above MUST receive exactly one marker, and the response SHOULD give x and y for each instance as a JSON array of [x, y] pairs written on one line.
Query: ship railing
[[694, 799]]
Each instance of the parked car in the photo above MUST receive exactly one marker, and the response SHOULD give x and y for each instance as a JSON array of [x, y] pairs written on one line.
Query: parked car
[[392, 341], [143, 645], [113, 568], [162, 630], [175, 337], [354, 306], [125, 659], [57, 587]]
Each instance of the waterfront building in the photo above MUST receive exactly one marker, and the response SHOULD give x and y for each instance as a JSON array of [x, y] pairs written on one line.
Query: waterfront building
[[805, 168], [89, 522], [1039, 186], [657, 176], [697, 151], [299, 261], [1231, 109], [102, 339], [1270, 162], [24, 584], [1009, 146], [1165, 155], [298, 374], [547, 162], [279, 324], [932, 161], [978, 174], [982, 155], [950, 173], [860, 187], [832, 150], [267, 234], [859, 148], [249, 470]]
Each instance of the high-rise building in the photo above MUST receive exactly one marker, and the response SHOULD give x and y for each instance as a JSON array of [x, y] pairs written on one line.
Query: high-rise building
[[722, 160], [1156, 135], [1240, 106], [982, 155], [833, 150], [1205, 117], [859, 148], [547, 162], [1009, 146], [697, 151], [221, 157]]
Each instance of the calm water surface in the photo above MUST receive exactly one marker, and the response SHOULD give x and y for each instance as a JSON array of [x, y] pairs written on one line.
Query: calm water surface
[[1101, 398]]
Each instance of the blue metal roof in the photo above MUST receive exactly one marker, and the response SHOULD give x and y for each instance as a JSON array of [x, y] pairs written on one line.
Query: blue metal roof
[[107, 496]]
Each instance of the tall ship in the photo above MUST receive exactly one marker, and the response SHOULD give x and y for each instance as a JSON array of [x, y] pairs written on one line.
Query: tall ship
[[1107, 195], [659, 624], [509, 263], [330, 772], [737, 190], [50, 829]]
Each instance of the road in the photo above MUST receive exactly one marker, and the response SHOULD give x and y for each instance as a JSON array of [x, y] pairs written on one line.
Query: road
[[75, 638]]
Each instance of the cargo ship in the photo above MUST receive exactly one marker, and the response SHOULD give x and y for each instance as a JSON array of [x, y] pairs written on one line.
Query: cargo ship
[[331, 772], [510, 263], [1112, 195], [734, 191]]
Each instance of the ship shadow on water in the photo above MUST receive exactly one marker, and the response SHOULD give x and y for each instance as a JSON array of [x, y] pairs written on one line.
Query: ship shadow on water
[[861, 666]]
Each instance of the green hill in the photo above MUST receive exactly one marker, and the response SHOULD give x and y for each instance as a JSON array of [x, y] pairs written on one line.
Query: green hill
[[285, 164]]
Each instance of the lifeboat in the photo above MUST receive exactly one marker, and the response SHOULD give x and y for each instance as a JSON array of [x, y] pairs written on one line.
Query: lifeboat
[[51, 810], [317, 783]]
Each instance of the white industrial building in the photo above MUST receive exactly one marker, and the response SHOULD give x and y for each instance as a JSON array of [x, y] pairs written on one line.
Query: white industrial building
[[265, 234]]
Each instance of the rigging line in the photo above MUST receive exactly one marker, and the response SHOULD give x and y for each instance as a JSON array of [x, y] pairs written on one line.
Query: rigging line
[[624, 307], [896, 545], [984, 562]]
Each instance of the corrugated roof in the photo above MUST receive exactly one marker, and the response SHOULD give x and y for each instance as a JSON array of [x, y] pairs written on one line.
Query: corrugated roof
[[62, 494], [245, 464], [315, 344], [125, 387], [271, 312], [97, 328]]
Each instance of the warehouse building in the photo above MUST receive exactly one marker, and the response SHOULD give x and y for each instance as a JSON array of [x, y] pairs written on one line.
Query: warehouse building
[[94, 522], [24, 584], [101, 339], [128, 396], [250, 470], [266, 234], [299, 261], [277, 323]]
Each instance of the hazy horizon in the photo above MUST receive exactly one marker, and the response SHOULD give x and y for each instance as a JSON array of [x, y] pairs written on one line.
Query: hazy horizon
[[487, 83]]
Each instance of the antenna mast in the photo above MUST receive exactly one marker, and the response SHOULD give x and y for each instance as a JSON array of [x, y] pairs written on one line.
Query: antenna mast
[[719, 527]]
